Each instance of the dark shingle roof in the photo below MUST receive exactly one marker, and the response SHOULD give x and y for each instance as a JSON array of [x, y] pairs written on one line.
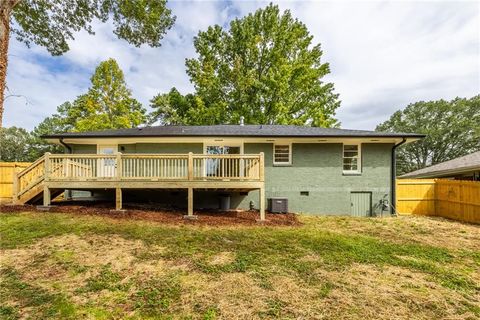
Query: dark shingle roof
[[451, 167], [234, 131]]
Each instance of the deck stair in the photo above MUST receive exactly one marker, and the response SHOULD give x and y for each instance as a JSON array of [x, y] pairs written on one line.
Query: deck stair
[[28, 185]]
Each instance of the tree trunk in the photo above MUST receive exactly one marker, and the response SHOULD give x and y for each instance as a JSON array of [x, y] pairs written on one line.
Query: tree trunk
[[6, 7], [4, 39]]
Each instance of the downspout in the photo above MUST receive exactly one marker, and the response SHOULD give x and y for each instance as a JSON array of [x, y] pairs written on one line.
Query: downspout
[[65, 145], [394, 176]]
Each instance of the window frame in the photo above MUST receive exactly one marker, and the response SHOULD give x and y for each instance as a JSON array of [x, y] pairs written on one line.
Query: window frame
[[359, 159], [289, 163], [226, 143]]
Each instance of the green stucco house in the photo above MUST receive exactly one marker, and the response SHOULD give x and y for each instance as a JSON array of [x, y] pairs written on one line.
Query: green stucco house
[[317, 170]]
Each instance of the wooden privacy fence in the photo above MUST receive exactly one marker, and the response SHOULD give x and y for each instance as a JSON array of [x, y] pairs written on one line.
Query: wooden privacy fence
[[454, 199], [7, 171]]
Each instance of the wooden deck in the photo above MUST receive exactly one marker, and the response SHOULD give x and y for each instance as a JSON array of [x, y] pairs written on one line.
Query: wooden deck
[[141, 171]]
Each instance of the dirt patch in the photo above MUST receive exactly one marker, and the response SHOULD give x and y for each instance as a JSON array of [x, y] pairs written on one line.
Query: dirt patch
[[222, 258], [365, 291], [234, 295], [150, 213]]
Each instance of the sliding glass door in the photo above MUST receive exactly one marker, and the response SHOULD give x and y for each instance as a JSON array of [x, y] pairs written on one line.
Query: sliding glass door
[[222, 167]]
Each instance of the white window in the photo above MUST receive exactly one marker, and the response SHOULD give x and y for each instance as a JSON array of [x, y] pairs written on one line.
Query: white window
[[282, 154], [352, 158]]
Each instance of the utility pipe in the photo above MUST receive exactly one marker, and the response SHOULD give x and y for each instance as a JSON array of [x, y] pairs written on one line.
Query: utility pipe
[[394, 176]]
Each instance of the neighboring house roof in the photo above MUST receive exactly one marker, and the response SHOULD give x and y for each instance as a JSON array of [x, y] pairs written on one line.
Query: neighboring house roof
[[232, 131], [468, 163]]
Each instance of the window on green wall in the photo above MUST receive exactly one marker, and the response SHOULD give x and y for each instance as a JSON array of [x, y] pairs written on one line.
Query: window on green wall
[[352, 158], [282, 154]]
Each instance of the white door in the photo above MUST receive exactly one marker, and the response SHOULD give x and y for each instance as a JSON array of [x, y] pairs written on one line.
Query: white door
[[106, 166]]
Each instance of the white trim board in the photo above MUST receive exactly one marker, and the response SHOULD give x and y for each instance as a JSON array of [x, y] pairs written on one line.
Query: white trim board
[[238, 140]]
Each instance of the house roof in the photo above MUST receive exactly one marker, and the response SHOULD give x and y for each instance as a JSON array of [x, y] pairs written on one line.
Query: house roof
[[468, 163], [231, 131]]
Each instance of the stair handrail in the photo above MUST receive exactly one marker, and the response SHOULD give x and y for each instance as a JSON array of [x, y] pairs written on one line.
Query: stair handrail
[[30, 167], [18, 190]]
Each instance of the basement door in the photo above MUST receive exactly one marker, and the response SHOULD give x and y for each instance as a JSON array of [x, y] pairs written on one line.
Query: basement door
[[361, 204]]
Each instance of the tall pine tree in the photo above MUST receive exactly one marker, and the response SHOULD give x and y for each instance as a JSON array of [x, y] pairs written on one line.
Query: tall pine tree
[[108, 104]]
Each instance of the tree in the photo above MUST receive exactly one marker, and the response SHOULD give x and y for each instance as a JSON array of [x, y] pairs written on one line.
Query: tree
[[17, 144], [452, 129], [264, 68], [14, 143], [175, 109], [51, 23], [108, 104], [37, 145]]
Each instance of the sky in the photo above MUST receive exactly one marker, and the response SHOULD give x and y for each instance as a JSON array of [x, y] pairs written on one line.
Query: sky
[[382, 56]]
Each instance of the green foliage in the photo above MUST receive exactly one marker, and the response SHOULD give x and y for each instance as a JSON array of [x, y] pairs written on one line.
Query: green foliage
[[9, 313], [39, 146], [325, 289], [275, 308], [452, 129], [175, 109], [155, 296], [14, 144], [51, 23], [108, 104], [264, 68], [48, 304], [65, 260], [210, 314], [17, 144], [105, 280]]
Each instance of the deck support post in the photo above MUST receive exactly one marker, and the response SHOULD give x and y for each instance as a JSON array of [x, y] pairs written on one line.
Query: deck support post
[[262, 203], [118, 199], [190, 202], [15, 188], [190, 206], [46, 196]]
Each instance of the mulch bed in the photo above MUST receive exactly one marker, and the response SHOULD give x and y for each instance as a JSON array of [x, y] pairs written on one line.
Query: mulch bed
[[148, 212]]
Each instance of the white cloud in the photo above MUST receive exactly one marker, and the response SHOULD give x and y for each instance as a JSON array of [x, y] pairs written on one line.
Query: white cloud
[[382, 56]]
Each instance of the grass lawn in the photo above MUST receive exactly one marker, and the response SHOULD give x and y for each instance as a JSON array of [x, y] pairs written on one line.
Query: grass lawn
[[56, 265]]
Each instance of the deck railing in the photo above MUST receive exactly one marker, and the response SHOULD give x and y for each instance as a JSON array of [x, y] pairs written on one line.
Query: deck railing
[[29, 177], [154, 167]]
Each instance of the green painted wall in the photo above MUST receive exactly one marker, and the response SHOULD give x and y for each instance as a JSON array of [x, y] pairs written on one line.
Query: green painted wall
[[162, 148], [84, 148], [316, 168]]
